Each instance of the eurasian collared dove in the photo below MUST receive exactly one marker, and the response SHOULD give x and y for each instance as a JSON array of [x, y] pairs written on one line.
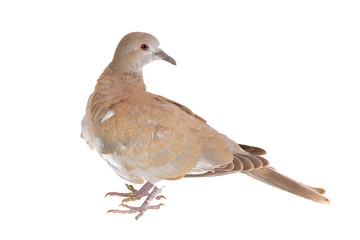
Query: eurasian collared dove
[[147, 138]]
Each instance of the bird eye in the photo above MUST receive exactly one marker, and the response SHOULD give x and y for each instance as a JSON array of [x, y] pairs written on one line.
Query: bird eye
[[144, 47]]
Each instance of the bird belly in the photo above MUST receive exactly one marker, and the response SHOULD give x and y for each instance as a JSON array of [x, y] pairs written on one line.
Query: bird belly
[[120, 170]]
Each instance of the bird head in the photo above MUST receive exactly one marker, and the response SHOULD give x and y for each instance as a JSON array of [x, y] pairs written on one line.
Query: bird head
[[137, 49]]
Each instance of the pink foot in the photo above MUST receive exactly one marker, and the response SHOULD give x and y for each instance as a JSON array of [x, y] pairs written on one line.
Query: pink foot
[[136, 195]]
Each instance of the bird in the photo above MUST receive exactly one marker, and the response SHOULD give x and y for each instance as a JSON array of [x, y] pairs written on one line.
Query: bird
[[146, 138]]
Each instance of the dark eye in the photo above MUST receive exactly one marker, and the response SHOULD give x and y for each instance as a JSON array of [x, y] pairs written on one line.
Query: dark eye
[[144, 47]]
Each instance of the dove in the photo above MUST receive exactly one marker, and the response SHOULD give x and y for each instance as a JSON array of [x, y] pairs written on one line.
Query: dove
[[146, 138]]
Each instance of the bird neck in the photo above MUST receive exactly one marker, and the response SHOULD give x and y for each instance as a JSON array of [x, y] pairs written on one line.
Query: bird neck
[[117, 79]]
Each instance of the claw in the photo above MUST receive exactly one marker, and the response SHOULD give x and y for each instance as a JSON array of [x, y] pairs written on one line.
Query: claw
[[156, 206], [136, 195], [139, 215], [160, 197]]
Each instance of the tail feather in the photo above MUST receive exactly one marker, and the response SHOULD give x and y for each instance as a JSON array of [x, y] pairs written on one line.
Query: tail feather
[[272, 177]]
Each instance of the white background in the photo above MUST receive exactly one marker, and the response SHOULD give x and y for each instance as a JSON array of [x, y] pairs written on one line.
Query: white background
[[282, 75]]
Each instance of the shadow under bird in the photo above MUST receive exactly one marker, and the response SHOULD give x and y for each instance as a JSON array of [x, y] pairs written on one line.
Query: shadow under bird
[[146, 138]]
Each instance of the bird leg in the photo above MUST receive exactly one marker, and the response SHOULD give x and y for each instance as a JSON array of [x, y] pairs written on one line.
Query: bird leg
[[135, 195], [145, 206]]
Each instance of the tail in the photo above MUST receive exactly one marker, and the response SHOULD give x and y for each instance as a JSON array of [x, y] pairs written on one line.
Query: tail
[[270, 176]]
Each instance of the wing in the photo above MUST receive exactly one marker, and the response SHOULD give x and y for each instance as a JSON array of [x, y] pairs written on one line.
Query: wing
[[180, 106], [148, 139], [245, 161]]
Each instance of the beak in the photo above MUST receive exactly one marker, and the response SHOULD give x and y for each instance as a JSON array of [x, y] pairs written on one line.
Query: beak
[[160, 54]]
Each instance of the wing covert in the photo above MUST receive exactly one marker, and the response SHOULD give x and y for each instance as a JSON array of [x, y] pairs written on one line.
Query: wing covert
[[159, 141]]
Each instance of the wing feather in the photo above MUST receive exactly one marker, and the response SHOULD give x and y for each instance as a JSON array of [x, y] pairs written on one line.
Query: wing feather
[[160, 141]]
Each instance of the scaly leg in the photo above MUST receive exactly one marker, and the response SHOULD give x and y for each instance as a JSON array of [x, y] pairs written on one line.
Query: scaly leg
[[135, 195], [145, 206]]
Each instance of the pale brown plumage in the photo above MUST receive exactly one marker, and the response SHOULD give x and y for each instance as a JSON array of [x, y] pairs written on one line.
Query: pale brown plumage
[[146, 137]]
